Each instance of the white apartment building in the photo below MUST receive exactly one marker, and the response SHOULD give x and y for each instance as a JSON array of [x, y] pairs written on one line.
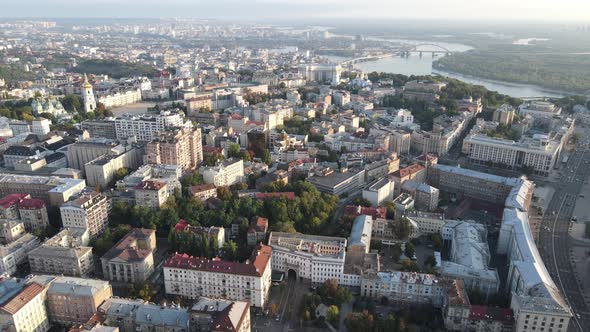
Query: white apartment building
[[193, 277], [539, 109], [121, 98], [227, 173], [379, 192], [536, 301], [15, 253], [402, 118], [313, 257], [405, 287], [41, 126], [22, 307], [321, 73], [144, 127], [88, 211], [151, 194]]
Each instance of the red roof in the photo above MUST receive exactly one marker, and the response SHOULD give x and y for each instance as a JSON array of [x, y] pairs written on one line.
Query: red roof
[[481, 312], [287, 194], [260, 226], [259, 261], [236, 117], [181, 225], [375, 212], [31, 204], [209, 149], [412, 169], [12, 199], [150, 185]]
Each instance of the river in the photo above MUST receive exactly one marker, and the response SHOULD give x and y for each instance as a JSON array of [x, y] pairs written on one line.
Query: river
[[422, 65]]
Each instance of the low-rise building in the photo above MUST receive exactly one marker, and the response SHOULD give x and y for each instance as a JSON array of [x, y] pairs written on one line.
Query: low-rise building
[[203, 191], [137, 315], [338, 183], [193, 277], [213, 314], [380, 192], [15, 253], [131, 260], [257, 231]]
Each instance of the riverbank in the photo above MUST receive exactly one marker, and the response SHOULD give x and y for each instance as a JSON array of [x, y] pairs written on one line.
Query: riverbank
[[566, 73]]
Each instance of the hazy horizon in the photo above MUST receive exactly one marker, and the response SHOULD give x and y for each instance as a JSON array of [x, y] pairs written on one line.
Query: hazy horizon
[[273, 10]]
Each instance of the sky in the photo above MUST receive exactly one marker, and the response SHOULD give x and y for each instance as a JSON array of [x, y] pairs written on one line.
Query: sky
[[512, 10]]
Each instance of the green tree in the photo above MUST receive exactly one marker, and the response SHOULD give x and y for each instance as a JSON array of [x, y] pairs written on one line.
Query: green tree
[[233, 151], [396, 252], [72, 103], [230, 251], [359, 321], [333, 314], [410, 249], [266, 157]]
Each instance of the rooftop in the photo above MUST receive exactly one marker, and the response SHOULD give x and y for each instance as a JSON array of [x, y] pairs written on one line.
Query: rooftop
[[253, 267], [316, 245]]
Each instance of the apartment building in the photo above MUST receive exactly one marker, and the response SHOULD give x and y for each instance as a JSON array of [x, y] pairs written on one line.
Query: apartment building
[[15, 253], [227, 173], [193, 277], [131, 260], [120, 98], [257, 231], [22, 307], [88, 211], [53, 190], [104, 128], [151, 194], [414, 172], [137, 315], [31, 212], [181, 147], [102, 170], [145, 127], [408, 288], [539, 109], [213, 314], [75, 300], [65, 253]]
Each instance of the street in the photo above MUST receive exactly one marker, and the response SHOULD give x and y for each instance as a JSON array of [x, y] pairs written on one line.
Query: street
[[554, 239]]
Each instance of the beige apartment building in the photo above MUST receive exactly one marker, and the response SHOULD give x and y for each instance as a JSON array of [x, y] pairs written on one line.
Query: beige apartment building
[[22, 307], [88, 211], [131, 260], [75, 300], [180, 147], [62, 254]]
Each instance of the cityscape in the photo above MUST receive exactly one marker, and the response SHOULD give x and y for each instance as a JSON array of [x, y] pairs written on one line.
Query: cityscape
[[211, 170]]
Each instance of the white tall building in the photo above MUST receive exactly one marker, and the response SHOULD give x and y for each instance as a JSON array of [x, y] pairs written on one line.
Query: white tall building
[[145, 127], [88, 96], [88, 211]]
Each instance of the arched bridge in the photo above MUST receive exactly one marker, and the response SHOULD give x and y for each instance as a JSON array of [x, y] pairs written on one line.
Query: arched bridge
[[430, 48]]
